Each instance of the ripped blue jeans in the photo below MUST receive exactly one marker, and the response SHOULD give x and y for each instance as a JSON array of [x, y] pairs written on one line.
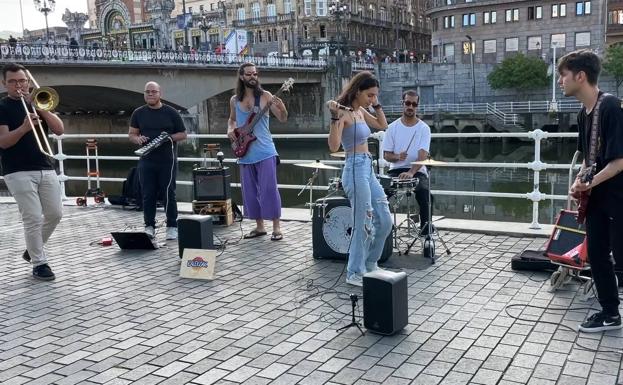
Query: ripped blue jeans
[[372, 221]]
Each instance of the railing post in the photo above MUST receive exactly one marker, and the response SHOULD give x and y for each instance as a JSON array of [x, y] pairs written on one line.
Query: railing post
[[61, 166], [535, 195]]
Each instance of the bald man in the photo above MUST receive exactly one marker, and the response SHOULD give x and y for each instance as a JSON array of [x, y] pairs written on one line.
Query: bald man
[[157, 169]]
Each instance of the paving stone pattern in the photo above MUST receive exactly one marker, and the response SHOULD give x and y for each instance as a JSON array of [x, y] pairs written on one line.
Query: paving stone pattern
[[270, 316]]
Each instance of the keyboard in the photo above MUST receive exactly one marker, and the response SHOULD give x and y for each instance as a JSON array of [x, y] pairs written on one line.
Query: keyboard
[[153, 144]]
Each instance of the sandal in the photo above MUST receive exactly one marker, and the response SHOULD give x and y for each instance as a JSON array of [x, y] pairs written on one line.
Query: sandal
[[276, 236], [254, 234]]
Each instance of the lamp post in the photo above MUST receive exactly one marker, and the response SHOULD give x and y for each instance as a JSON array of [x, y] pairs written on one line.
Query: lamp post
[[186, 47], [45, 7], [398, 5], [553, 107], [222, 24], [338, 10], [205, 26], [471, 61]]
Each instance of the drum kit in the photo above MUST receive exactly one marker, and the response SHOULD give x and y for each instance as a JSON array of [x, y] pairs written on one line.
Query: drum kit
[[334, 210]]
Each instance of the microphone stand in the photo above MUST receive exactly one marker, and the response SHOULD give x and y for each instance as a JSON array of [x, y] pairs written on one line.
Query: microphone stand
[[353, 322], [310, 183]]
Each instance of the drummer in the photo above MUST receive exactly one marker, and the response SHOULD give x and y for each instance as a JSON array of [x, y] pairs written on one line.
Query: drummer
[[408, 140]]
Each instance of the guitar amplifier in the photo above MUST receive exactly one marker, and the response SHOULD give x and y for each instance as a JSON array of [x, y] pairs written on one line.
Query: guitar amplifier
[[567, 244], [211, 184]]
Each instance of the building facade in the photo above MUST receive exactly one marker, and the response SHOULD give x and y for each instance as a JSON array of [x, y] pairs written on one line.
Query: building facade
[[499, 28], [614, 22]]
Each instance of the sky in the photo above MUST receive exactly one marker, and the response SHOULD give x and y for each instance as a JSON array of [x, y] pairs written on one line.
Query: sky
[[10, 19]]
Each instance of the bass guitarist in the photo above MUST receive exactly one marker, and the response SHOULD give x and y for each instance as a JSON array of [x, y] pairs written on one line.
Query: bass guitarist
[[258, 167], [601, 142]]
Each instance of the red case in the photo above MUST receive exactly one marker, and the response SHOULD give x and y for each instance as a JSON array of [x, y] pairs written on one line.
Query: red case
[[567, 244]]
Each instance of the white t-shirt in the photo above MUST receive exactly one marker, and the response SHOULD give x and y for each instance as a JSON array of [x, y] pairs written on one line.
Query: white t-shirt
[[399, 137]]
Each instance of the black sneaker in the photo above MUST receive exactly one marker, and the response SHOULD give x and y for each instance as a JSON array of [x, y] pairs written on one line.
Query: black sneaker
[[600, 322], [43, 272], [26, 256]]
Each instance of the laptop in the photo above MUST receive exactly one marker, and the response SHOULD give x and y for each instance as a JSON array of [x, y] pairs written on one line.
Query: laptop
[[134, 240]]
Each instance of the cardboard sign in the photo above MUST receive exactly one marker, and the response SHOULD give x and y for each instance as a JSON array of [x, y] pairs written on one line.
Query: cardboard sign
[[198, 264]]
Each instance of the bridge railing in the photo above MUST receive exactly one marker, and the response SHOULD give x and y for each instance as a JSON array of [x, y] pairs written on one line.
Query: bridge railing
[[540, 106], [38, 54], [536, 166]]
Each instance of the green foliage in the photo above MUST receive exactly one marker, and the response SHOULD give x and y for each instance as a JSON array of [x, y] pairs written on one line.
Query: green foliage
[[613, 63], [519, 72]]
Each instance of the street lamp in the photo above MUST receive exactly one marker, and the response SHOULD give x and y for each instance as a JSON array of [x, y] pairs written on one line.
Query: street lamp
[[222, 24], [398, 5], [186, 47], [471, 61], [45, 7], [205, 26], [338, 10]]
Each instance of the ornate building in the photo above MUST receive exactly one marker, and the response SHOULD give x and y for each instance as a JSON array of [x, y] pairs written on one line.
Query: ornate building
[[614, 26]]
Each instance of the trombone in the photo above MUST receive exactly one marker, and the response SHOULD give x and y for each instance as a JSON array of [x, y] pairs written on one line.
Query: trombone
[[45, 99]]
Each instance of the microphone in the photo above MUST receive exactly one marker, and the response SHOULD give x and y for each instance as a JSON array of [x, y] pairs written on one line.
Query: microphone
[[220, 157]]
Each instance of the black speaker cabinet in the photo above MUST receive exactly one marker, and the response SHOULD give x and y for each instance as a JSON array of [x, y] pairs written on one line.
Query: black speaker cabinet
[[332, 227], [211, 184], [385, 301], [194, 232]]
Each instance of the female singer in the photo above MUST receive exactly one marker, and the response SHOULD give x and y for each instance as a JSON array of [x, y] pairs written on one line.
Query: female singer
[[350, 126]]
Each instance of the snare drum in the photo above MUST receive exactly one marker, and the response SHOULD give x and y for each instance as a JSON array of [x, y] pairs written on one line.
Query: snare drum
[[404, 184]]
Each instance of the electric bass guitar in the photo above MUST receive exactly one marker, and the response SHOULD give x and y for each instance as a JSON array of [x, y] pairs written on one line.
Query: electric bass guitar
[[244, 134], [586, 176]]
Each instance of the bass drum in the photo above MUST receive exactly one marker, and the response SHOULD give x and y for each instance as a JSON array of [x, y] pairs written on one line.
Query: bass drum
[[332, 227]]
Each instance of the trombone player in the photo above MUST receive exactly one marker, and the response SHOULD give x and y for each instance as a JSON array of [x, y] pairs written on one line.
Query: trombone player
[[27, 168]]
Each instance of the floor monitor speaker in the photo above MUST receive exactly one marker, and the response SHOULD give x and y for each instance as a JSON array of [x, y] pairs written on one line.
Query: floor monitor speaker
[[385, 301], [194, 232]]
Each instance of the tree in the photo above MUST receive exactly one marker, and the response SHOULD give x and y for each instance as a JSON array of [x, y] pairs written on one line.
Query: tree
[[519, 72], [613, 64]]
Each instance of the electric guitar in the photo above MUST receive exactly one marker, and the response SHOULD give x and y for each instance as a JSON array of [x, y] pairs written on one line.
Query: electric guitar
[[586, 176], [244, 134]]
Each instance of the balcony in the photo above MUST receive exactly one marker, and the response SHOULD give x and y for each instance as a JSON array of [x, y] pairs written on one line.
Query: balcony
[[264, 20]]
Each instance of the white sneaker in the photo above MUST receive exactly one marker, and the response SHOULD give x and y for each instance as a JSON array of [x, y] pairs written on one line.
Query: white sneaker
[[171, 233], [355, 280], [375, 268], [150, 231]]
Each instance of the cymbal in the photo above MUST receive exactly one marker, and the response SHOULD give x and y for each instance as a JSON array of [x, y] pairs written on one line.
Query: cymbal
[[339, 154], [317, 164], [429, 162]]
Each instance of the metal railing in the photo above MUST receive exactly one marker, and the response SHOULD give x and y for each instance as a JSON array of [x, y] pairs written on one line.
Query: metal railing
[[537, 166], [39, 54], [499, 108]]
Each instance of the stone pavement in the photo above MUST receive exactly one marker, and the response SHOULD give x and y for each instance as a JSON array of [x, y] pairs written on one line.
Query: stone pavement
[[270, 316]]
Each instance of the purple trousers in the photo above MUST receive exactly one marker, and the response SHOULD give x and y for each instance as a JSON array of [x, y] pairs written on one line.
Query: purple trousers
[[260, 195]]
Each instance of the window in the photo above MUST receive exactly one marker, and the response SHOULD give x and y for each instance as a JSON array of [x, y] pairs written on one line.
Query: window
[[305, 32], [582, 39], [435, 24], [271, 10], [512, 44], [321, 7], [583, 8], [534, 43], [201, 8], [307, 7], [512, 15], [489, 17], [255, 10], [489, 46], [469, 19], [284, 34], [259, 36], [615, 17], [323, 31], [240, 13], [559, 10], [287, 6], [535, 13], [448, 22], [448, 50], [559, 40]]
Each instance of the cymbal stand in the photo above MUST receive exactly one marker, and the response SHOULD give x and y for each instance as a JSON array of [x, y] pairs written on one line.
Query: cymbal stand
[[411, 226], [309, 185], [429, 241], [353, 322]]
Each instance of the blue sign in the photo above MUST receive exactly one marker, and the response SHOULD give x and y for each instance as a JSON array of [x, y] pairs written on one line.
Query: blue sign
[[180, 20]]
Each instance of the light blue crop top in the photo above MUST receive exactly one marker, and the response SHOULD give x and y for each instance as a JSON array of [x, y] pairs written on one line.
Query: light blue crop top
[[355, 134]]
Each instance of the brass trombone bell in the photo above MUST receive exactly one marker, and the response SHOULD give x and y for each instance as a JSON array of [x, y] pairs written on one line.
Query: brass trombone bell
[[45, 98]]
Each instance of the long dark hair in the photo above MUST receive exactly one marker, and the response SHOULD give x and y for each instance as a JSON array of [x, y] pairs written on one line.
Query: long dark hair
[[360, 82], [259, 91]]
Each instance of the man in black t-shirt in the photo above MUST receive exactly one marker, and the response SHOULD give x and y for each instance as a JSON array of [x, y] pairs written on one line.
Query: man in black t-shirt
[[157, 169], [28, 173], [579, 72]]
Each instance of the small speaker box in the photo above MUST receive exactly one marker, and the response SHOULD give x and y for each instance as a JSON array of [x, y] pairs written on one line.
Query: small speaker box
[[194, 232], [385, 301], [211, 184]]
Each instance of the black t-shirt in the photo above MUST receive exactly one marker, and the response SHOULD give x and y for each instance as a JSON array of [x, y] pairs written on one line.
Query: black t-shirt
[[151, 122], [610, 147], [25, 154]]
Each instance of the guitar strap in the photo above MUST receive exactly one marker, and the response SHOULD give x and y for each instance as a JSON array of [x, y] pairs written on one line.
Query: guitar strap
[[256, 108], [595, 140]]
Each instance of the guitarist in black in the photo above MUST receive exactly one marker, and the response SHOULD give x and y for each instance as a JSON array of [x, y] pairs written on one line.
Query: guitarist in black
[[579, 72], [258, 167]]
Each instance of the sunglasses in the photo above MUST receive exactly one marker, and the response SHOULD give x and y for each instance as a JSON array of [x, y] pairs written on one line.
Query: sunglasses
[[408, 103]]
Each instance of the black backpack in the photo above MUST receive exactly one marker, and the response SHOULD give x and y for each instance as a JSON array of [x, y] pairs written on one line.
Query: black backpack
[[131, 189]]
